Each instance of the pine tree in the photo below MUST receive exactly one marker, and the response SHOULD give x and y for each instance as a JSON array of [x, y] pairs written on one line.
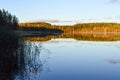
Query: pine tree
[[8, 21]]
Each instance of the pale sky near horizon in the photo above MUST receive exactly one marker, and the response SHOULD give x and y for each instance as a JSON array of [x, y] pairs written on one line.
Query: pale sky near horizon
[[87, 10]]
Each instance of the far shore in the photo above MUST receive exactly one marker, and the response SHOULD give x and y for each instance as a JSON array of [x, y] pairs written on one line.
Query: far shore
[[34, 33], [45, 33]]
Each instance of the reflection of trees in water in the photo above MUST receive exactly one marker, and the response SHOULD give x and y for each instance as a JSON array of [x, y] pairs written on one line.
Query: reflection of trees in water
[[87, 36], [21, 60], [32, 56], [8, 56]]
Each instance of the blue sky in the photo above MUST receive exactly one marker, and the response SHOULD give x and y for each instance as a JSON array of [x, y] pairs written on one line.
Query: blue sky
[[87, 10]]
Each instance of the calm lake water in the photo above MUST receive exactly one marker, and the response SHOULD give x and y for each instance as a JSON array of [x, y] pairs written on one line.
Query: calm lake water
[[63, 59]]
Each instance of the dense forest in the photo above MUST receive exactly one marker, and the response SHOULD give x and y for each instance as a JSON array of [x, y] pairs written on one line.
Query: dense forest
[[77, 28], [8, 24], [86, 31], [8, 21], [9, 27]]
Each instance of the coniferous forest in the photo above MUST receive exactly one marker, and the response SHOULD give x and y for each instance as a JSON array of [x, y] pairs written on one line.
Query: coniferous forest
[[8, 21]]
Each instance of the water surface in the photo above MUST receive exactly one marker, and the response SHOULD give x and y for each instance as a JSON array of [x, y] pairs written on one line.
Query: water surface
[[69, 59], [65, 59]]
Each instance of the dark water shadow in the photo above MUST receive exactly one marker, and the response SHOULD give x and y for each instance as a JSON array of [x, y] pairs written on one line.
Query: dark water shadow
[[19, 59], [8, 56]]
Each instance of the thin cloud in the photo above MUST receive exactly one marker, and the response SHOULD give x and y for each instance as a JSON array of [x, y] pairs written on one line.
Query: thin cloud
[[114, 61], [50, 21], [113, 1], [100, 19]]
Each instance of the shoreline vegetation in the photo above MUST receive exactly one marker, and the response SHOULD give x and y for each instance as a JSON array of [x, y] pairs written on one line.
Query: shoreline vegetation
[[10, 26], [77, 28], [85, 31]]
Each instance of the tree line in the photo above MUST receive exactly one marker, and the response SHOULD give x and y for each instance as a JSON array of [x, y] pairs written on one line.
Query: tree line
[[85, 27], [8, 21]]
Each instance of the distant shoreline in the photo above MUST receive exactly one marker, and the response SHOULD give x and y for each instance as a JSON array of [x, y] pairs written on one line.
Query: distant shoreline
[[33, 33], [77, 28]]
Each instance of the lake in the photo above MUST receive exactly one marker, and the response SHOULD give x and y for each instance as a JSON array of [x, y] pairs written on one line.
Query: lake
[[56, 58]]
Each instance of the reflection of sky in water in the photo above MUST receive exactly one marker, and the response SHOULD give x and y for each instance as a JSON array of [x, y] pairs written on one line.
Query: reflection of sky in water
[[35, 57], [80, 60]]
